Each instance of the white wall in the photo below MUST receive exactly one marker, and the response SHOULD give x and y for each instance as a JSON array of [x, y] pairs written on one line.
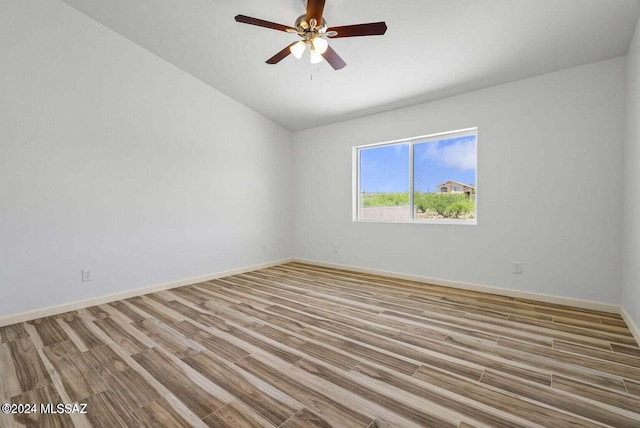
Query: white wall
[[550, 159], [114, 160], [631, 246]]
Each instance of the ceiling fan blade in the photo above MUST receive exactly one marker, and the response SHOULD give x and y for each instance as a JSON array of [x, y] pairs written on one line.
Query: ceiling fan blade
[[262, 23], [314, 10], [280, 55], [370, 29], [334, 59]]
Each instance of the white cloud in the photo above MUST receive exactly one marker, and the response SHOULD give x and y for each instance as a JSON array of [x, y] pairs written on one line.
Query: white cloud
[[399, 148], [460, 155]]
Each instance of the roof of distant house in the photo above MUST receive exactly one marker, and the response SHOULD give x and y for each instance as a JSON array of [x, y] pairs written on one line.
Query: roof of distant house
[[457, 182]]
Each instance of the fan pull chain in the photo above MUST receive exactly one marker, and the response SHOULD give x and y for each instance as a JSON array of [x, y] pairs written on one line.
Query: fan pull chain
[[317, 68]]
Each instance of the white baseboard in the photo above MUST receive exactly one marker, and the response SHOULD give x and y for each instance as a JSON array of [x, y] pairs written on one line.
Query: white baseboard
[[631, 324], [72, 306], [81, 304], [547, 298]]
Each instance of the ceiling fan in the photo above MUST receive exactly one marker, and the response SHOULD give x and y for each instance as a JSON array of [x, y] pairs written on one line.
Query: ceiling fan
[[313, 30]]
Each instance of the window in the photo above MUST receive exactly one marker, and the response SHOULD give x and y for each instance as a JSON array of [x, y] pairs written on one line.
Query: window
[[429, 179]]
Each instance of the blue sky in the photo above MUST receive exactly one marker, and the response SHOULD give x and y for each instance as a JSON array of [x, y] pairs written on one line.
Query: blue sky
[[386, 168]]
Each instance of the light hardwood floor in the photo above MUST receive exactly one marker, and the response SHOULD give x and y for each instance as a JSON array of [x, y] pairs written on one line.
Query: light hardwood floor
[[298, 345]]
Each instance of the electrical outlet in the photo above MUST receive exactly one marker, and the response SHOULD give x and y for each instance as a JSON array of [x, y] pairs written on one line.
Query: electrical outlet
[[517, 267], [86, 275], [335, 248], [264, 248]]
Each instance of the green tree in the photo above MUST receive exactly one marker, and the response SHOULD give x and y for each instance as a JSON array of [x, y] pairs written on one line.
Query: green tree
[[459, 208], [385, 199], [448, 205]]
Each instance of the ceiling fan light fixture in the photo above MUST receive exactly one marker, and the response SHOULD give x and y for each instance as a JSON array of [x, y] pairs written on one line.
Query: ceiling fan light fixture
[[314, 31], [315, 56], [320, 45], [298, 49]]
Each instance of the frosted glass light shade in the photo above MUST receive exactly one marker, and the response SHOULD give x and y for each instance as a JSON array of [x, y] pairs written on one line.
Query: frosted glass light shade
[[320, 44], [315, 57], [298, 49]]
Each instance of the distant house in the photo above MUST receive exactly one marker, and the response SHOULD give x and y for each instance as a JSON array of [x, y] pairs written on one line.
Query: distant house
[[457, 187]]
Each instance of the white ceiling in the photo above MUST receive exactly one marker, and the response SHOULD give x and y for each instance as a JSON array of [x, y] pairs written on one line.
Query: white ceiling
[[432, 48]]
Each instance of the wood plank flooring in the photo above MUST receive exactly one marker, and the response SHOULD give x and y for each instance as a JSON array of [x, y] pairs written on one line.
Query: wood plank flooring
[[298, 345]]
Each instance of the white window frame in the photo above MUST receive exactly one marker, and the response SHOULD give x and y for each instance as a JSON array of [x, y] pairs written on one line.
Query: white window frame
[[411, 141]]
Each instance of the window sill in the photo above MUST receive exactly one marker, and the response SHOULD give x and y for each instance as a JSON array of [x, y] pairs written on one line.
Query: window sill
[[440, 222]]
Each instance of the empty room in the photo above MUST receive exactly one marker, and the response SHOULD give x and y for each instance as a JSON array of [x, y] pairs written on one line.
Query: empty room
[[319, 213]]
